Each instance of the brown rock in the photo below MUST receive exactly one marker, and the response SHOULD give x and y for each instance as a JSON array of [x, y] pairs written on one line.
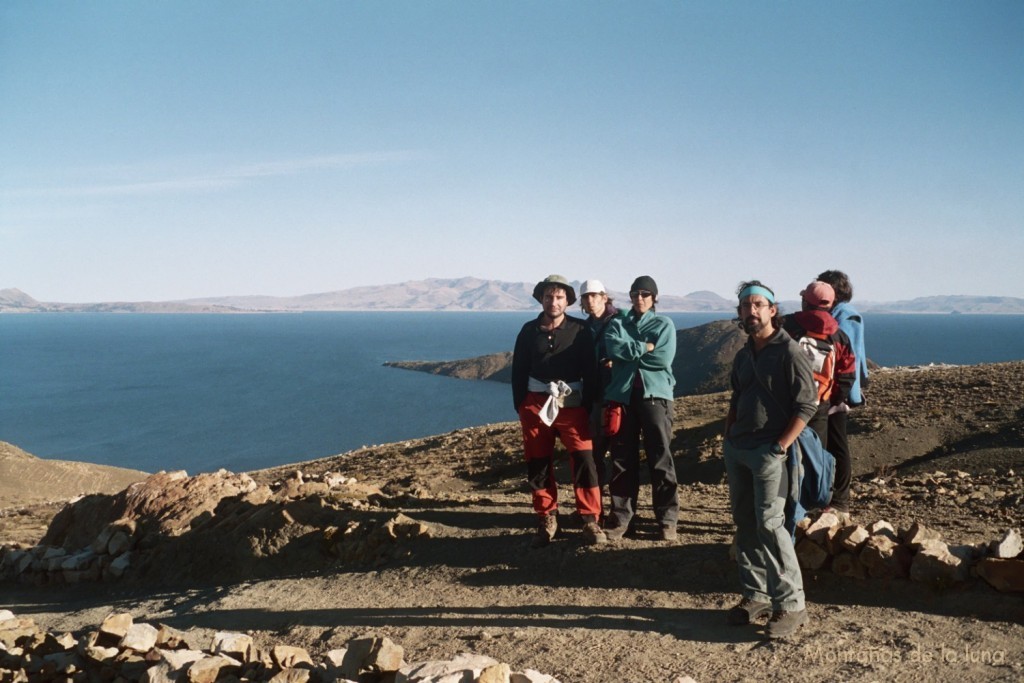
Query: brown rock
[[496, 673], [853, 538], [934, 563], [376, 655], [883, 528], [918, 534], [160, 673], [179, 660], [292, 676], [236, 645], [114, 628], [209, 669], [819, 528], [288, 657], [846, 564], [171, 638], [1006, 575], [811, 555], [13, 630], [885, 558]]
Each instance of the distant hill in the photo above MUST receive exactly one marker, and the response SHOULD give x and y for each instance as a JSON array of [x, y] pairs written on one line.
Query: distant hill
[[17, 301], [461, 294], [466, 294]]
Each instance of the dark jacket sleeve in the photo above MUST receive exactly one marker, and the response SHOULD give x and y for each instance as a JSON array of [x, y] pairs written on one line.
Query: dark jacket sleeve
[[520, 368]]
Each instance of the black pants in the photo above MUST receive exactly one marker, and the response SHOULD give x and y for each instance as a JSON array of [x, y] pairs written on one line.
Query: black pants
[[839, 447], [652, 419]]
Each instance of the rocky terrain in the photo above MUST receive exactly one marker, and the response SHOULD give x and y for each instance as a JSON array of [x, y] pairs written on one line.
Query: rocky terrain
[[426, 543]]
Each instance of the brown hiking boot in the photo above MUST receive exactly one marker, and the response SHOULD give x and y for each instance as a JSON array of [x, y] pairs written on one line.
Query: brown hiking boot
[[785, 623], [546, 530], [593, 535], [669, 533], [747, 611]]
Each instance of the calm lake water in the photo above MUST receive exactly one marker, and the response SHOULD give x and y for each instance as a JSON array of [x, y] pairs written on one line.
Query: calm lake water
[[201, 392]]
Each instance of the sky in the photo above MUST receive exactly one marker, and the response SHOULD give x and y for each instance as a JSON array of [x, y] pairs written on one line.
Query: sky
[[155, 151]]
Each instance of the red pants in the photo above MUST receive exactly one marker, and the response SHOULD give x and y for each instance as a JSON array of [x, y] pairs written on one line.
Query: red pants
[[573, 428]]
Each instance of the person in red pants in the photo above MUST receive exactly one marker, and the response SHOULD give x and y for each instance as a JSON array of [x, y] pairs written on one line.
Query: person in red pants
[[554, 373]]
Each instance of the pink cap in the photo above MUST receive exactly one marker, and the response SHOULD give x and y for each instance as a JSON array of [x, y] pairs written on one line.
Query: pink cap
[[819, 294]]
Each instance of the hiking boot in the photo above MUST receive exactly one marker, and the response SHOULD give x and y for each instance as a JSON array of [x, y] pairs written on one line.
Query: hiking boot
[[593, 535], [614, 533], [669, 533], [747, 611], [546, 530], [785, 623]]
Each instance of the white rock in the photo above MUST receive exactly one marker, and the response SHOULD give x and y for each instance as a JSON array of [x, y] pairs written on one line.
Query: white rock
[[179, 659], [230, 643], [1009, 547], [160, 673], [452, 671], [140, 637], [531, 676]]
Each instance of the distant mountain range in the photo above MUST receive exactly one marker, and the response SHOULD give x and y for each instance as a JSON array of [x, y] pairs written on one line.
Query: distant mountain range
[[465, 294]]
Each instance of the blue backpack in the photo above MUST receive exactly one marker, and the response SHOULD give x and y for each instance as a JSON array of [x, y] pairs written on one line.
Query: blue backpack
[[812, 471]]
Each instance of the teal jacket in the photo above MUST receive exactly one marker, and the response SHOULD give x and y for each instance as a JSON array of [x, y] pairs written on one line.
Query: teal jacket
[[626, 341]]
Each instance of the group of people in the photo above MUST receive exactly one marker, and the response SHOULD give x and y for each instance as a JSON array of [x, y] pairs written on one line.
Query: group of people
[[600, 385], [603, 384]]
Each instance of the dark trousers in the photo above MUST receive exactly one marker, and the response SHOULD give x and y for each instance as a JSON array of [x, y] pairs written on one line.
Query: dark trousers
[[652, 419], [839, 447], [820, 424], [601, 443]]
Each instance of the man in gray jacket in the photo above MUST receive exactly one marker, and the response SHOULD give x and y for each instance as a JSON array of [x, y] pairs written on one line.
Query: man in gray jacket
[[773, 397]]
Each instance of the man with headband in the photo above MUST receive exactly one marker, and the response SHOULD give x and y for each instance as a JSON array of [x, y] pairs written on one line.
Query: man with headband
[[773, 397]]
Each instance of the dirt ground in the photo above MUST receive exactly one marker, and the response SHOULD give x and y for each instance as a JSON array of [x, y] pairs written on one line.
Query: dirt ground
[[640, 609]]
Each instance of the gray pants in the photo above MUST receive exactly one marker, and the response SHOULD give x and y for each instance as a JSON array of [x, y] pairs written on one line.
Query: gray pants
[[767, 560]]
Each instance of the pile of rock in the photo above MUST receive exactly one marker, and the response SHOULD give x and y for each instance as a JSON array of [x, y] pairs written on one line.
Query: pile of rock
[[228, 525], [129, 652], [879, 551]]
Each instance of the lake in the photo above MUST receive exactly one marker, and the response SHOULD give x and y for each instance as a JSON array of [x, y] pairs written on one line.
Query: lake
[[242, 392]]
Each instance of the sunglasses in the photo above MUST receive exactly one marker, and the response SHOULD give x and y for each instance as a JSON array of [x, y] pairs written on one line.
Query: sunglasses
[[640, 293]]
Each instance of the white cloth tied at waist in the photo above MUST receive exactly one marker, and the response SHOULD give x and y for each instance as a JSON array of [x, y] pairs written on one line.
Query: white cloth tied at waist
[[557, 393]]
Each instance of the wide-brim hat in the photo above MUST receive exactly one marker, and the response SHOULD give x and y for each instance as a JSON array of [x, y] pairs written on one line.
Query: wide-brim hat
[[556, 281]]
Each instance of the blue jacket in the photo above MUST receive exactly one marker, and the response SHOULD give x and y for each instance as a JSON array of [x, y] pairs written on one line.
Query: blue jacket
[[852, 324], [626, 340]]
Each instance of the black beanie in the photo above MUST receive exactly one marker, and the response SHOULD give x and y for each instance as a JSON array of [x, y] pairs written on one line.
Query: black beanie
[[645, 282]]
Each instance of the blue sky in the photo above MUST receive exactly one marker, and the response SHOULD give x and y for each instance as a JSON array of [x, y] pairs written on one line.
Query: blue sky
[[169, 150]]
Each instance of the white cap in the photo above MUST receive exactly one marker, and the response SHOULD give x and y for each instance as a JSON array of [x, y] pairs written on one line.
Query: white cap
[[592, 287]]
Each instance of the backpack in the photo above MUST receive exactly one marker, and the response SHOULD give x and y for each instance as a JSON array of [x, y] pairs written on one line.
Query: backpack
[[820, 350], [812, 472]]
